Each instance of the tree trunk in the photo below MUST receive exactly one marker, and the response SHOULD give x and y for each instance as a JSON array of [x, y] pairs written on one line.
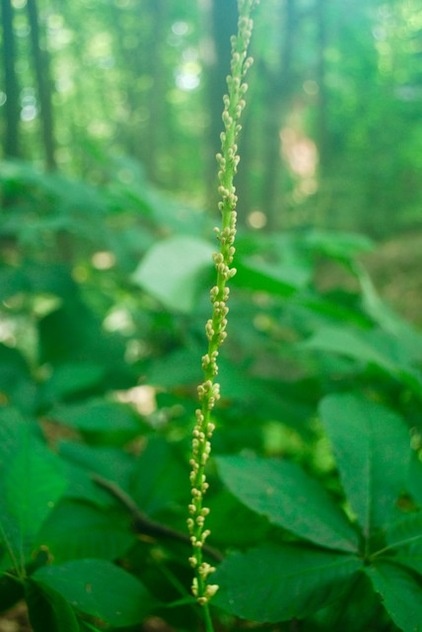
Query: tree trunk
[[41, 66], [11, 137], [279, 88], [322, 134]]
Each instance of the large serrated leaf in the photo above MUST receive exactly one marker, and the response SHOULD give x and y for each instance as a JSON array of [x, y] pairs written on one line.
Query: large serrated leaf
[[33, 485], [100, 589], [372, 450], [404, 539], [32, 481], [275, 583], [401, 594], [289, 498]]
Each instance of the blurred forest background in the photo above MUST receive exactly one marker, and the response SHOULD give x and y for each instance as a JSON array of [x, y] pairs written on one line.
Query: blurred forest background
[[110, 116], [128, 91]]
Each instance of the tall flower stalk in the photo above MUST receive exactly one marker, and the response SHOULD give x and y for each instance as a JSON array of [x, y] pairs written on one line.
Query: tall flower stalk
[[215, 329]]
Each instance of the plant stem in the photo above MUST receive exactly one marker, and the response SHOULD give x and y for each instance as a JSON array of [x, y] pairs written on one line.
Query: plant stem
[[215, 329], [209, 627]]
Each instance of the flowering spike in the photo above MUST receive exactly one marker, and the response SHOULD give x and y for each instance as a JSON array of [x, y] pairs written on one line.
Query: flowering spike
[[215, 329]]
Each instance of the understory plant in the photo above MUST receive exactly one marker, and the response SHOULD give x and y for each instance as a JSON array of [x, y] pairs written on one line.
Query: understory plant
[[315, 478], [209, 389]]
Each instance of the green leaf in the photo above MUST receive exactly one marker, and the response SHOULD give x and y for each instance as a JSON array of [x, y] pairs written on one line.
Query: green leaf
[[108, 462], [159, 481], [404, 538], [172, 271], [409, 339], [353, 343], [78, 530], [359, 610], [390, 353], [278, 280], [70, 379], [175, 368], [289, 498], [372, 449], [228, 518], [33, 485], [401, 594], [32, 482], [100, 589], [100, 420], [47, 610], [13, 368], [11, 591], [338, 245], [275, 583], [414, 483]]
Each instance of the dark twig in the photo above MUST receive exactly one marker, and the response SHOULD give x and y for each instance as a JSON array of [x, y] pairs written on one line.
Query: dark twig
[[142, 524]]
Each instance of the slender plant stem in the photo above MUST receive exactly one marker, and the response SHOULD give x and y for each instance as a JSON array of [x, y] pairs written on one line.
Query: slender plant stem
[[215, 329], [209, 627]]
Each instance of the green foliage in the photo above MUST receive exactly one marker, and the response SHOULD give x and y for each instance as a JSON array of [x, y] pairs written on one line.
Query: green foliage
[[318, 521], [279, 582], [173, 279], [98, 588], [276, 583]]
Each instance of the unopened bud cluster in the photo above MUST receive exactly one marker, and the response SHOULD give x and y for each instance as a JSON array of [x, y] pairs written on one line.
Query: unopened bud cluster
[[215, 329]]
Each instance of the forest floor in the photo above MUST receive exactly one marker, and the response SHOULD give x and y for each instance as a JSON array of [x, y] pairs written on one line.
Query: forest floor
[[396, 269]]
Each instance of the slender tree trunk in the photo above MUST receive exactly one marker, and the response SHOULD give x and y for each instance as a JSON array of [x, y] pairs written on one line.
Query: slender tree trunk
[[322, 139], [321, 202], [11, 137], [41, 65], [279, 89], [156, 96]]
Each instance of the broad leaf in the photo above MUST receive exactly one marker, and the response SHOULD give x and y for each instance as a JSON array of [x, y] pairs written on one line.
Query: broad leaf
[[289, 498], [227, 522], [275, 583], [48, 611], [404, 539], [414, 484], [11, 591], [32, 482], [278, 280], [409, 339], [372, 449], [172, 271], [77, 530], [108, 421], [357, 344], [33, 485], [338, 245], [108, 462], [385, 350], [358, 610], [100, 589], [159, 481], [401, 594], [71, 379]]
